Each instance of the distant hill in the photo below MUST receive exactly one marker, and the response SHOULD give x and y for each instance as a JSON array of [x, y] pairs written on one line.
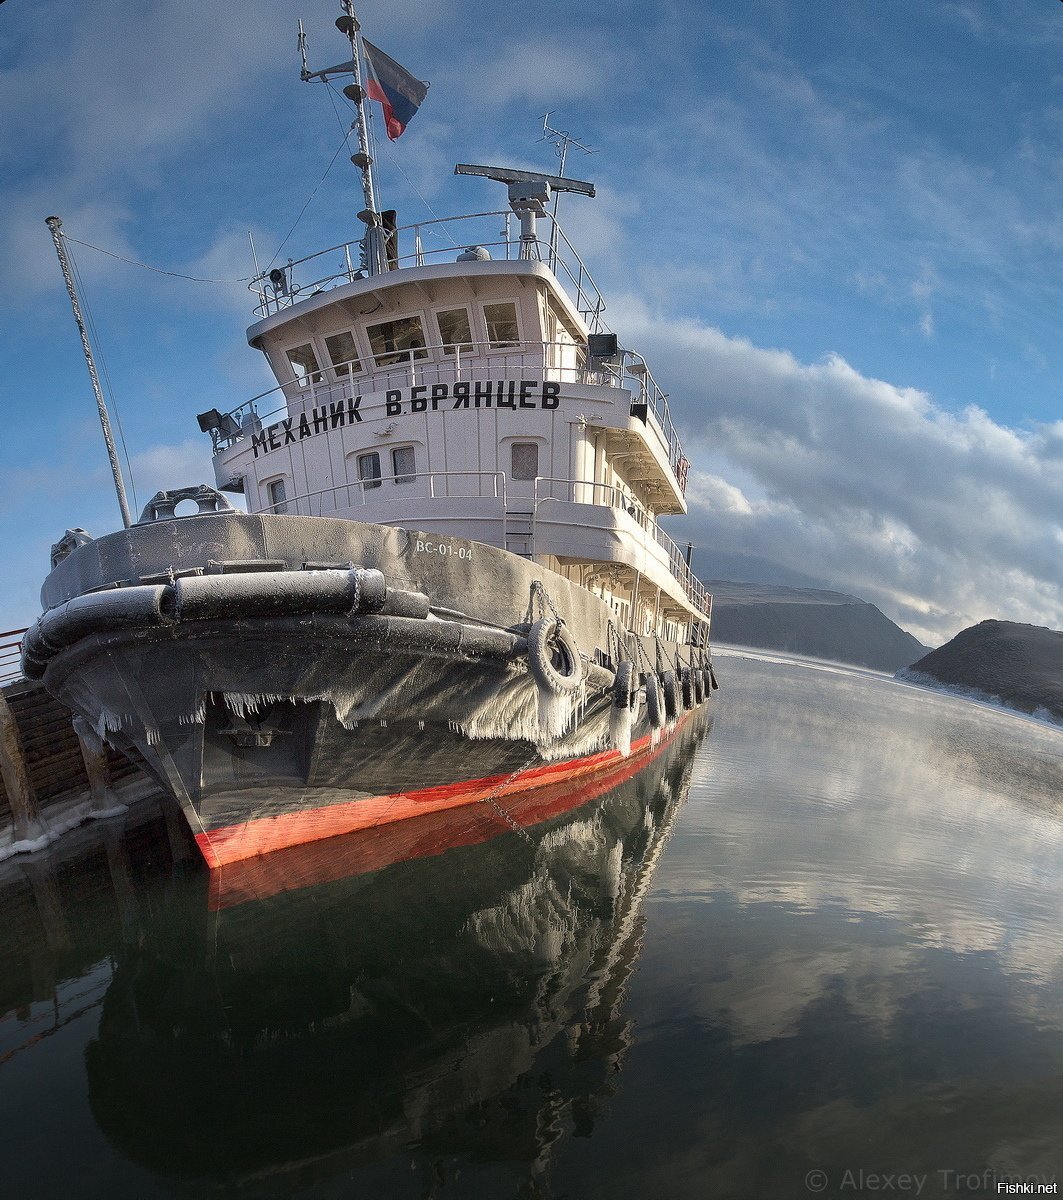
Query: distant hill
[[809, 621], [1019, 665]]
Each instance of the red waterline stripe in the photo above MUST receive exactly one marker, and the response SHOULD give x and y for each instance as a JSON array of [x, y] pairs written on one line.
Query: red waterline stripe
[[365, 851], [231, 843]]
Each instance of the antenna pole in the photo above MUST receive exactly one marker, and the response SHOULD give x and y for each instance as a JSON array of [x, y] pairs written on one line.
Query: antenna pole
[[561, 140], [373, 243], [56, 228]]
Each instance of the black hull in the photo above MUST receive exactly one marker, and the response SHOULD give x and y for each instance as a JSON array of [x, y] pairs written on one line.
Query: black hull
[[274, 724]]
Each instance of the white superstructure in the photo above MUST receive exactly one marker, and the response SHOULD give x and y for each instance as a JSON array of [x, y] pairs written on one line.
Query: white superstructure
[[466, 392]]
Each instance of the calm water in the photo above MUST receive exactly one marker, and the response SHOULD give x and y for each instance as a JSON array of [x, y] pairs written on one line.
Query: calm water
[[816, 949]]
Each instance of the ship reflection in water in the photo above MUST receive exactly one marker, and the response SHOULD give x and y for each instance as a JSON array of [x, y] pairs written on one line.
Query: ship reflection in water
[[437, 990], [828, 938]]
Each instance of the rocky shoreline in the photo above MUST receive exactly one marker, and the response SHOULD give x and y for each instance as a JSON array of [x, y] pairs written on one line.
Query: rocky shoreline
[[1003, 662]]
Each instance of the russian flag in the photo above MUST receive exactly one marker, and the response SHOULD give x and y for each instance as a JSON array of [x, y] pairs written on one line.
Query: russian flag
[[396, 90]]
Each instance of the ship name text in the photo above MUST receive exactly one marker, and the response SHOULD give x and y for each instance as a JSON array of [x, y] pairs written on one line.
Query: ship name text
[[427, 397]]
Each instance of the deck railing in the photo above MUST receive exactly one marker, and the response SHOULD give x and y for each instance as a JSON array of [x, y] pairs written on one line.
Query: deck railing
[[300, 278], [417, 485], [563, 362], [11, 655]]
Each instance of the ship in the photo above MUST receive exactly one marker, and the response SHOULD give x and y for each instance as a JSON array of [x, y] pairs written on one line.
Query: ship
[[450, 585]]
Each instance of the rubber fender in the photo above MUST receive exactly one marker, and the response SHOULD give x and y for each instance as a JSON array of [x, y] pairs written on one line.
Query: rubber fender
[[405, 604], [146, 605], [624, 685], [670, 688], [34, 654], [686, 681], [700, 685], [553, 657], [272, 594], [712, 679], [654, 700]]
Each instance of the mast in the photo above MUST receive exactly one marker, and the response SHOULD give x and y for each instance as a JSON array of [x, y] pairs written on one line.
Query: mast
[[347, 24], [56, 227]]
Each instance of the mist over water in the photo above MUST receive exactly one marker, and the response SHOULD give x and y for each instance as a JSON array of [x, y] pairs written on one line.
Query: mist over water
[[815, 949]]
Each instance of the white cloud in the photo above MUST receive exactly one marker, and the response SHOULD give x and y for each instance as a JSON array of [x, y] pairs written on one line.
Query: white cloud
[[941, 519]]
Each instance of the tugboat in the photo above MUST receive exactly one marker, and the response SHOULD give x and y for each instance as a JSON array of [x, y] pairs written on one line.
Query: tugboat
[[450, 585]]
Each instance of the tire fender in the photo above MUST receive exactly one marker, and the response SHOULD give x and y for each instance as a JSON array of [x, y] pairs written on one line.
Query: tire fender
[[654, 700], [624, 686], [553, 657], [670, 688]]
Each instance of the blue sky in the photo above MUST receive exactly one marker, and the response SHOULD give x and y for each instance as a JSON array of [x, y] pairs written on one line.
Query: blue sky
[[835, 227]]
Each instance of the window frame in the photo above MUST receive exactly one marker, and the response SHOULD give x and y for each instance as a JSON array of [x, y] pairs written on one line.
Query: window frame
[[449, 348], [501, 347], [402, 358], [524, 441], [313, 377], [344, 372], [272, 507], [368, 482], [405, 476]]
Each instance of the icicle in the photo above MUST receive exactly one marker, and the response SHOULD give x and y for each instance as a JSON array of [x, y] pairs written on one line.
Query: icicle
[[620, 729], [243, 704]]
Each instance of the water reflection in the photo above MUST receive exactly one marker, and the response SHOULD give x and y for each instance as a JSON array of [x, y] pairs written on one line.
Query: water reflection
[[441, 997], [839, 949]]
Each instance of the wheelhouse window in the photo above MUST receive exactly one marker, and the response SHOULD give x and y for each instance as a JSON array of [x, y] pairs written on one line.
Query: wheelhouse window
[[502, 328], [403, 464], [278, 496], [397, 341], [369, 470], [343, 353], [304, 363], [455, 332], [524, 460]]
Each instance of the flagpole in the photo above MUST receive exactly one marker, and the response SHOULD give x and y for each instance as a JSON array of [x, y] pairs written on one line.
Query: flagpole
[[363, 160]]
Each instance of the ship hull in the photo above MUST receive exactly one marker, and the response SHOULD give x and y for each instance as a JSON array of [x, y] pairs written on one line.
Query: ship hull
[[276, 725]]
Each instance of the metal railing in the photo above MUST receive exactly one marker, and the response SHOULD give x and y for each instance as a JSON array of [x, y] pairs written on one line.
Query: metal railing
[[301, 278], [434, 485], [11, 655], [579, 491], [563, 362]]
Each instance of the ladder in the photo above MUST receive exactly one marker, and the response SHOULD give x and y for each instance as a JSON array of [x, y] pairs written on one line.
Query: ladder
[[519, 531]]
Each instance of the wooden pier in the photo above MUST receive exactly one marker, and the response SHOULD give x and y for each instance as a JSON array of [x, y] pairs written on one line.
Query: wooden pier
[[55, 772]]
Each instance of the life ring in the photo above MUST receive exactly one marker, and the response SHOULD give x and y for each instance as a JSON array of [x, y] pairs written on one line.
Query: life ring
[[624, 686], [670, 687], [654, 700], [553, 657]]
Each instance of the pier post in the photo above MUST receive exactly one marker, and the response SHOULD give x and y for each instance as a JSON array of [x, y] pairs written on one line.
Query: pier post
[[25, 813], [94, 756]]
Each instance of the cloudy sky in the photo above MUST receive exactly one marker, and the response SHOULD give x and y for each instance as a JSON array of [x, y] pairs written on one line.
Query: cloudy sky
[[834, 227]]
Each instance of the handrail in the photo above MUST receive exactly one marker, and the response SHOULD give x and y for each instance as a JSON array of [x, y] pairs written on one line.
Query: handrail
[[11, 655], [274, 297], [284, 507], [476, 359], [617, 497], [413, 363]]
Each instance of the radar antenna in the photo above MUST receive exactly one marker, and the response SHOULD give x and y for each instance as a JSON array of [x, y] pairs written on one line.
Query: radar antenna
[[374, 241], [529, 194]]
